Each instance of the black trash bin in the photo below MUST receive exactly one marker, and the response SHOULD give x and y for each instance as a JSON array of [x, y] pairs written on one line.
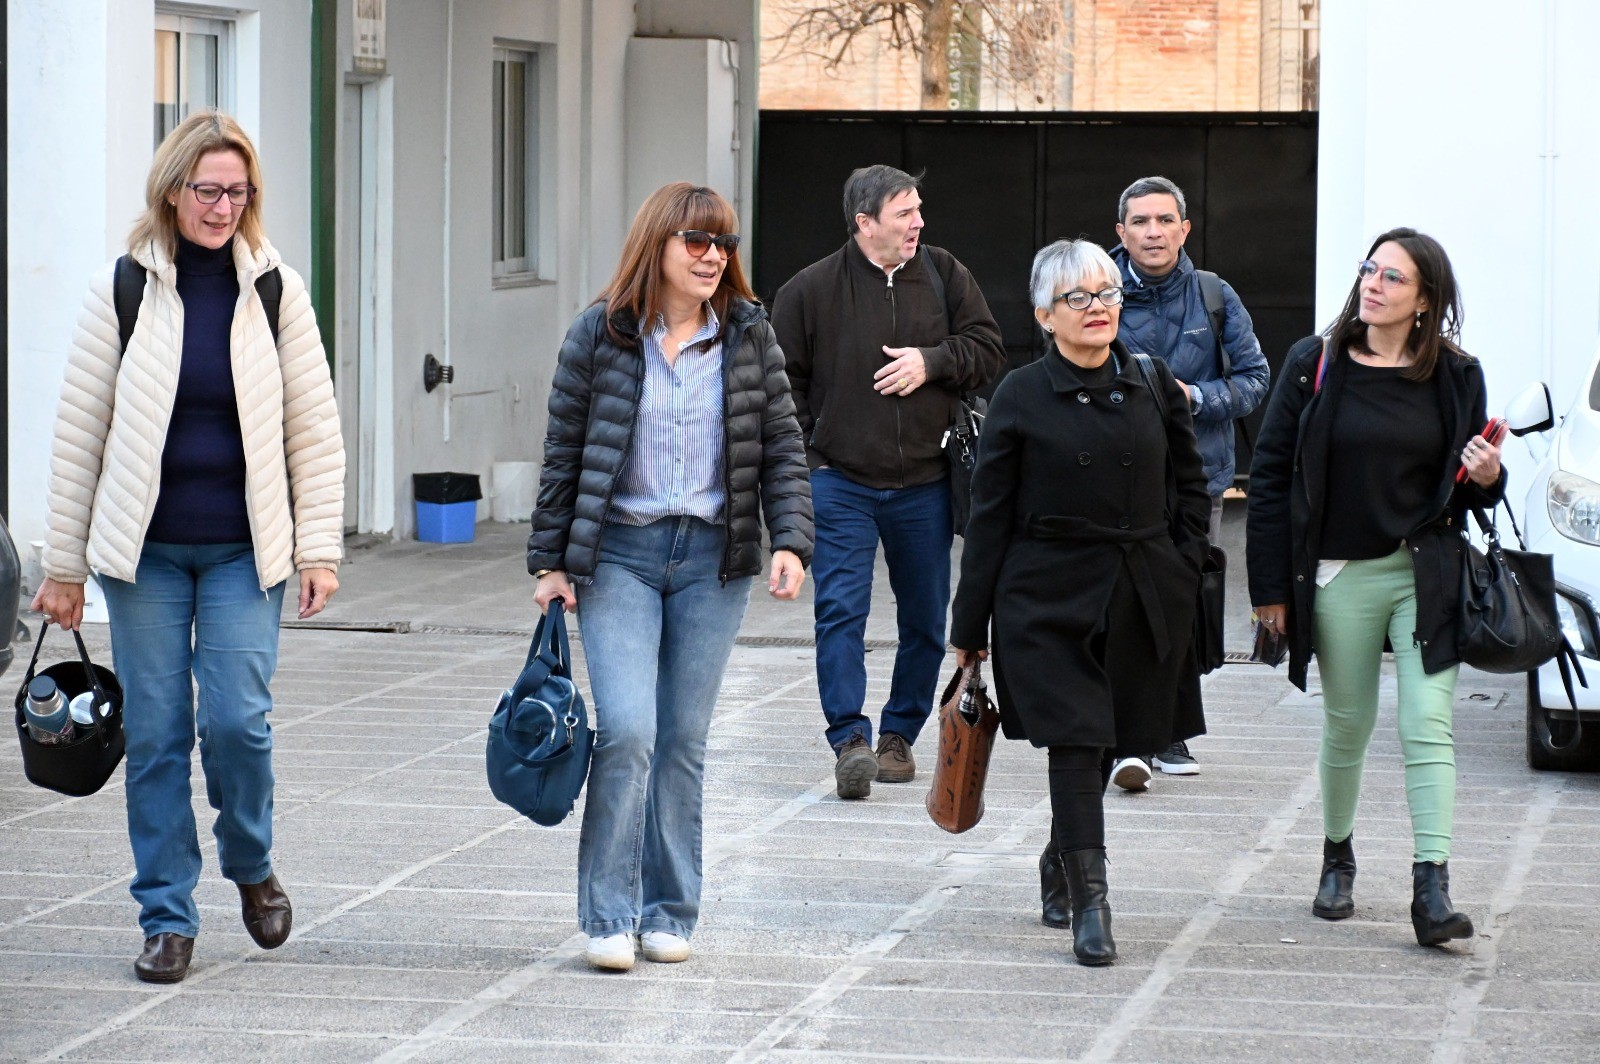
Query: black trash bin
[[447, 506]]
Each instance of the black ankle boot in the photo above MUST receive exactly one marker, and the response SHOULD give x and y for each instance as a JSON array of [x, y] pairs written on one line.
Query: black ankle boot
[[1091, 913], [1433, 917], [1053, 892], [1338, 877]]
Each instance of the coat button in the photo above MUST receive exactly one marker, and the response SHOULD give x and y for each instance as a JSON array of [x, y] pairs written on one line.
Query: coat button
[[1301, 578], [1083, 458], [1116, 397], [1083, 397], [1127, 458], [1123, 522]]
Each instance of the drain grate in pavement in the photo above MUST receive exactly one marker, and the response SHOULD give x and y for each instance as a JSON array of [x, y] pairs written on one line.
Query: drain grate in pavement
[[803, 641], [381, 627]]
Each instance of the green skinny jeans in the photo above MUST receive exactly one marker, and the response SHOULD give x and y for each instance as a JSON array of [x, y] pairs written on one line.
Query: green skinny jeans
[[1364, 602]]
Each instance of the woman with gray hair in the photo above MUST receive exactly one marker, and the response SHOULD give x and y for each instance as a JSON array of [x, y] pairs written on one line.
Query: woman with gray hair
[[1083, 552]]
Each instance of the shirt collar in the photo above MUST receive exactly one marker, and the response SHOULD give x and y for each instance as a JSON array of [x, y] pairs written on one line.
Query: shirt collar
[[709, 331]]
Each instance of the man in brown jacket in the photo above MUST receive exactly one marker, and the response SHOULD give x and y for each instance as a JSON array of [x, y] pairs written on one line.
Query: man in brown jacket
[[880, 340]]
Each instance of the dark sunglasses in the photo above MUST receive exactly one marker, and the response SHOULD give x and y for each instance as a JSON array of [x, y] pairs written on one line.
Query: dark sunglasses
[[698, 241]]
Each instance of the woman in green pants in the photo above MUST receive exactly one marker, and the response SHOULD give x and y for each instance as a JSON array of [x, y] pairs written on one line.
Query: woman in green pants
[[1354, 539]]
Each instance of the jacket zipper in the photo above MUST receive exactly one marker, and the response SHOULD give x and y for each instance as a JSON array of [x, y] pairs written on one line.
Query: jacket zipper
[[894, 341]]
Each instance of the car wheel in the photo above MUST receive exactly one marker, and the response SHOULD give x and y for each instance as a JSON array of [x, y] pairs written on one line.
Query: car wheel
[[1584, 757]]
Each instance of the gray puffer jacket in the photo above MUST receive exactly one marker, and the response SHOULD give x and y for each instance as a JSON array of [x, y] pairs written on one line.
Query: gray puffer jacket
[[594, 401]]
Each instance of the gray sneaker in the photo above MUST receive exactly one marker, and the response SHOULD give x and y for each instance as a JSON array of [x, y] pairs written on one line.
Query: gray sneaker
[[855, 769], [1176, 760]]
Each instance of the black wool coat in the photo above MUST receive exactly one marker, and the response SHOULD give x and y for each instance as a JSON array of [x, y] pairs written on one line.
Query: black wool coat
[[1288, 492], [594, 402], [1088, 531]]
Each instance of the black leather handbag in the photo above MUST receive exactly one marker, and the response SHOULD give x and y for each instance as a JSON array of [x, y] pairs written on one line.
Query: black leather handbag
[[1508, 605], [1208, 614], [961, 448], [81, 765], [539, 738]]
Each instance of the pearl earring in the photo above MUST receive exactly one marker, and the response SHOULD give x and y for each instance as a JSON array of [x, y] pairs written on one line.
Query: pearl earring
[[1050, 329], [1418, 325]]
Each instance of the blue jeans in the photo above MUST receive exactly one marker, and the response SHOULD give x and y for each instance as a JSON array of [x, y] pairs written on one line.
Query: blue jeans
[[657, 625], [195, 615], [915, 527]]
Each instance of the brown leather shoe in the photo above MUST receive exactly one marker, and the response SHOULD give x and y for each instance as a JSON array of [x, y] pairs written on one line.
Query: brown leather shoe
[[895, 763], [267, 912], [165, 958]]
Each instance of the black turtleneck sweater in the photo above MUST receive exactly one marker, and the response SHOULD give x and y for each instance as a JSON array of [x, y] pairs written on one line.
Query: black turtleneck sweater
[[202, 497]]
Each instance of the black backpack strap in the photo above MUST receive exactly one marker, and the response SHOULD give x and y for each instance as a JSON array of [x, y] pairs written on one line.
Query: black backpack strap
[[936, 282], [269, 286], [1216, 313], [1147, 374], [127, 292]]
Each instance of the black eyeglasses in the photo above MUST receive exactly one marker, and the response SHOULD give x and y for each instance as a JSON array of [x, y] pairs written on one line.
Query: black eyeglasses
[[1078, 299], [698, 241], [238, 195]]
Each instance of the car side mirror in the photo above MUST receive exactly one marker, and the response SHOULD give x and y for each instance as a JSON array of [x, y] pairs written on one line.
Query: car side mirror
[[1530, 411]]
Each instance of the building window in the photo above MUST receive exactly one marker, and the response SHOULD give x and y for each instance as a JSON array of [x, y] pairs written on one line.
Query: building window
[[516, 164], [194, 68]]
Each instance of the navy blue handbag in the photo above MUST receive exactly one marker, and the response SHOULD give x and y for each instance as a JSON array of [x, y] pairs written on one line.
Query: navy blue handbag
[[539, 737]]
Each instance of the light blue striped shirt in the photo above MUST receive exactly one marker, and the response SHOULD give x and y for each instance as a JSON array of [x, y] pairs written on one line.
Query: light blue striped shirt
[[675, 465]]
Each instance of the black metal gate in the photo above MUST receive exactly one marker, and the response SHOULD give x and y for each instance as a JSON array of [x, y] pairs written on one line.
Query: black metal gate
[[1001, 186]]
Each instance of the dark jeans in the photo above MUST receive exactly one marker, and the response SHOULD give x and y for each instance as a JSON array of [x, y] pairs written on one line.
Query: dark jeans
[[914, 527]]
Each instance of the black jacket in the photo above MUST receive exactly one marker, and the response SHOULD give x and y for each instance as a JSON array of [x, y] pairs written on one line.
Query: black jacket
[[1288, 481], [594, 401], [833, 320], [1089, 514]]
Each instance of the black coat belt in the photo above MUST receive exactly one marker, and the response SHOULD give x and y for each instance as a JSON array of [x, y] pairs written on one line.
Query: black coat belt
[[1080, 530]]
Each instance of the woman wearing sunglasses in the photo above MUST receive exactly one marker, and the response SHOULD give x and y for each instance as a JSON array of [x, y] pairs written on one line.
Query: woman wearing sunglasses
[[1354, 540], [198, 470], [1088, 530], [672, 435]]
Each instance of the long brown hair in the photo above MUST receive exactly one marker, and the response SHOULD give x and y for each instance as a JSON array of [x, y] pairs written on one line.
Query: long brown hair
[[635, 289], [1440, 326], [194, 138]]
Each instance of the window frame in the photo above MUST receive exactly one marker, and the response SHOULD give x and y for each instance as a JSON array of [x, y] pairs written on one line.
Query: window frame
[[186, 21], [510, 271]]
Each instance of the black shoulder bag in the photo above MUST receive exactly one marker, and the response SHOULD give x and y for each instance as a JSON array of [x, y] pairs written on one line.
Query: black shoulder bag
[[960, 440], [1508, 621], [1208, 614]]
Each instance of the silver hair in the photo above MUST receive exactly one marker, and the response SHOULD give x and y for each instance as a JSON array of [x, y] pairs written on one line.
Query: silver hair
[[1062, 266], [1151, 186]]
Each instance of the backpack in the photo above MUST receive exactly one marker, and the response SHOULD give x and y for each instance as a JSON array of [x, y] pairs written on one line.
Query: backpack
[[127, 292], [1217, 315]]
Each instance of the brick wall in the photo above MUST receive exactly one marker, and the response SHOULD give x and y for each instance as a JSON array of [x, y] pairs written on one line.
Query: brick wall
[[1123, 55]]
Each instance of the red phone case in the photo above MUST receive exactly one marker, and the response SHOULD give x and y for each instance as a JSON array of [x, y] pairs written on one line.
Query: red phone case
[[1493, 432]]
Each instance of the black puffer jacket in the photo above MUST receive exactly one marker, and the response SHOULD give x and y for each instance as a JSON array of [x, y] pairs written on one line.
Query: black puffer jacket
[[594, 400]]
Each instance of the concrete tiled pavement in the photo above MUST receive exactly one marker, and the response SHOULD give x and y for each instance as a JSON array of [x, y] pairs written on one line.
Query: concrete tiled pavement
[[432, 924]]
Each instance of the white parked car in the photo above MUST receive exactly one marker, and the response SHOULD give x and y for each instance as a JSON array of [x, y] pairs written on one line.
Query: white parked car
[[1560, 514]]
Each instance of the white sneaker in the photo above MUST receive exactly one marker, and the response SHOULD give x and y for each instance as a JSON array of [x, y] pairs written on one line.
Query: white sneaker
[[610, 952], [664, 947], [1131, 774]]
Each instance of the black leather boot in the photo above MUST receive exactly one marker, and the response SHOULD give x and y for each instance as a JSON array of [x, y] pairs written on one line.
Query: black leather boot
[[1433, 917], [1091, 913], [1053, 892], [1338, 877]]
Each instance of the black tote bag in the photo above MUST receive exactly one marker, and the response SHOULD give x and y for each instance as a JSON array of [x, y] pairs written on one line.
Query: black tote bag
[[82, 765]]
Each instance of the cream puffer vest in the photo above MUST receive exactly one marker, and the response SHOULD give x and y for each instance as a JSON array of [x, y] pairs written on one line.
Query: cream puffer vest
[[111, 426]]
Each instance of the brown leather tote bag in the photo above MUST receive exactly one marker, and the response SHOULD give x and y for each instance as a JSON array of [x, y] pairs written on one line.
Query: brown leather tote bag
[[967, 723]]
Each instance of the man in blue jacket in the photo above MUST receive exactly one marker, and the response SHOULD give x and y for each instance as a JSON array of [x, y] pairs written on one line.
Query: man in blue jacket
[[1170, 311]]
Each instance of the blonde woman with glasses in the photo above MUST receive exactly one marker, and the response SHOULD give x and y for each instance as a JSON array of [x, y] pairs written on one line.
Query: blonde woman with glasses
[[199, 471]]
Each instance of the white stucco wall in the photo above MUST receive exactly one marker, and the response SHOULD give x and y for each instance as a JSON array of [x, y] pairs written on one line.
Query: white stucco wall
[[1479, 129], [80, 95]]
